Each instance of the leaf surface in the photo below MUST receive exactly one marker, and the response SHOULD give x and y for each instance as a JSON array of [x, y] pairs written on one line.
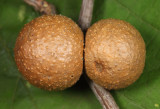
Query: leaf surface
[[16, 93]]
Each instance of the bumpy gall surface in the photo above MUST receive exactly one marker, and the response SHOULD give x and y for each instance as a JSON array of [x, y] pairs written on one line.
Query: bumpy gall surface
[[49, 52], [114, 53]]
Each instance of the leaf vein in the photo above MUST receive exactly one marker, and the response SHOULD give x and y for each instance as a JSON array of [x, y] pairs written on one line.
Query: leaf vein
[[141, 19], [131, 101], [14, 93], [30, 95]]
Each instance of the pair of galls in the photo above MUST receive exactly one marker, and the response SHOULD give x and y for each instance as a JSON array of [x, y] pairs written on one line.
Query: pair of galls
[[49, 53]]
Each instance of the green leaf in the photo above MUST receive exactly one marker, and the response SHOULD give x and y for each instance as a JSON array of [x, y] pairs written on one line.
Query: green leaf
[[16, 93]]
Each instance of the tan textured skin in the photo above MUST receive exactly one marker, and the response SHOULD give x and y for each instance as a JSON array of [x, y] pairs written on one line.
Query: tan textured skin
[[114, 53], [49, 52]]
